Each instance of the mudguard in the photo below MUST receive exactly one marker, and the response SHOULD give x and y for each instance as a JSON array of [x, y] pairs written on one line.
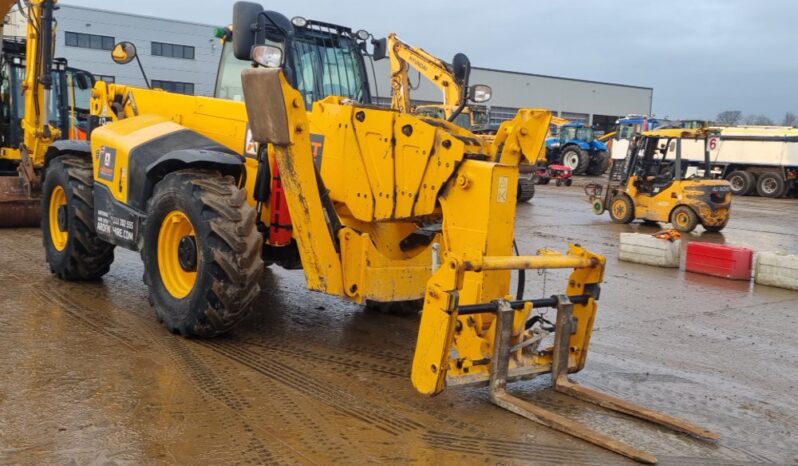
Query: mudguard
[[66, 146], [227, 162]]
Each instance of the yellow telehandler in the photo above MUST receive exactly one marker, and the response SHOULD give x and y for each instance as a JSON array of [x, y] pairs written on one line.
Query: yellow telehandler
[[381, 205]]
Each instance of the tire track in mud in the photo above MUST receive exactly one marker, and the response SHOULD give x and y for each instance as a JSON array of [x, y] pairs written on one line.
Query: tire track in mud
[[206, 382], [479, 442], [353, 362], [340, 400], [211, 384]]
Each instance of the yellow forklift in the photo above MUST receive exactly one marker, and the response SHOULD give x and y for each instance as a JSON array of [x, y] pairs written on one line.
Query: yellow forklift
[[654, 184]]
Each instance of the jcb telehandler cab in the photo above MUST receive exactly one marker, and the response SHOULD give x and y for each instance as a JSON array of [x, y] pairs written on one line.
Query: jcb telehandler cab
[[652, 184]]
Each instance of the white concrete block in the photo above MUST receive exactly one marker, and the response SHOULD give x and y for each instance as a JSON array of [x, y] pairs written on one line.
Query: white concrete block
[[646, 249], [776, 269]]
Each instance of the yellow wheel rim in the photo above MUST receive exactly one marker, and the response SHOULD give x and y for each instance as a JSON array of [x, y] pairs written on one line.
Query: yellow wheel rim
[[177, 277], [619, 208], [682, 219], [58, 231]]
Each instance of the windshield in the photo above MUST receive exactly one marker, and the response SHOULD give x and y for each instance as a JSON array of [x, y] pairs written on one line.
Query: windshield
[[328, 65], [479, 118], [228, 79], [433, 112], [585, 134], [626, 131], [567, 132], [324, 65]]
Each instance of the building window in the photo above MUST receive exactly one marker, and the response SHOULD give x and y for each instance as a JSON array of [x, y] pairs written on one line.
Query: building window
[[161, 49], [583, 118], [174, 86], [88, 41], [500, 114], [106, 78]]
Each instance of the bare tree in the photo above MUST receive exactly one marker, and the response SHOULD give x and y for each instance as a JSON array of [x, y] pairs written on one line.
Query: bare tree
[[729, 117], [790, 119], [757, 120]]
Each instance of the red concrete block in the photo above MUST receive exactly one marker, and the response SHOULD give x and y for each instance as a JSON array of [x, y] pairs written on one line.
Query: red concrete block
[[719, 260]]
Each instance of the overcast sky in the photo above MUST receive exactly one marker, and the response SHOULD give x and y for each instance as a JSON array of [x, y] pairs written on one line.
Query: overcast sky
[[700, 56]]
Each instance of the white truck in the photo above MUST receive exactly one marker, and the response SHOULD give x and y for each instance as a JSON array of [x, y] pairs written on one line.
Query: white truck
[[754, 159]]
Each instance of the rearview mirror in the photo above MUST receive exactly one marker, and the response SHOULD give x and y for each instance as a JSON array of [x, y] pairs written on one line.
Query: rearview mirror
[[380, 49], [245, 22], [461, 67], [480, 93], [253, 26], [123, 53]]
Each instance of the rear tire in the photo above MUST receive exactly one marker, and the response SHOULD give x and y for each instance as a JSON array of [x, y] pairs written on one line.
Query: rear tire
[[599, 164], [622, 209], [71, 245], [526, 190], [770, 184], [202, 253], [742, 182], [684, 219], [576, 159]]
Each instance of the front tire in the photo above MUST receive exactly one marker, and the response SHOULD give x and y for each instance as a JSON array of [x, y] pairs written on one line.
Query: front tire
[[71, 245], [622, 209], [202, 253], [684, 219], [598, 165]]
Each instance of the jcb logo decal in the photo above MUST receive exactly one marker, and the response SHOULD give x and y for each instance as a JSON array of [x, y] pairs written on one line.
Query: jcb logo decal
[[107, 163]]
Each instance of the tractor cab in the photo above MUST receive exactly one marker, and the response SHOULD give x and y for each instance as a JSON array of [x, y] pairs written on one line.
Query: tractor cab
[[654, 184]]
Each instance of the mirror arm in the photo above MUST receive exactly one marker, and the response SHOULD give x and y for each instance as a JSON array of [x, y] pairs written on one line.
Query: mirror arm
[[143, 74], [463, 98]]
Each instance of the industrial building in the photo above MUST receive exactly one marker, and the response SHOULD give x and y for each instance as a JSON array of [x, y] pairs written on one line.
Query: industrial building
[[182, 56]]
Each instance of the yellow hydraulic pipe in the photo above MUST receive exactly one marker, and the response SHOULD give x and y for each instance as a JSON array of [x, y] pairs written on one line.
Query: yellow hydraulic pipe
[[531, 262]]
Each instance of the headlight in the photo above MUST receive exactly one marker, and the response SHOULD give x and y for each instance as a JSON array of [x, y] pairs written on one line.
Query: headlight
[[362, 34], [268, 56], [480, 93], [299, 21]]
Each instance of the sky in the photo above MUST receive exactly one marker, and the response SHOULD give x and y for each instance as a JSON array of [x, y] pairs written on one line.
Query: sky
[[700, 56]]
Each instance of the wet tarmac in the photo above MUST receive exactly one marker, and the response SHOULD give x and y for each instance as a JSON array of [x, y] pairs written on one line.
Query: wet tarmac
[[90, 377]]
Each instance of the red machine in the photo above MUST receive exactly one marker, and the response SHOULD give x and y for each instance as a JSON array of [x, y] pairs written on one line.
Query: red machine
[[560, 173]]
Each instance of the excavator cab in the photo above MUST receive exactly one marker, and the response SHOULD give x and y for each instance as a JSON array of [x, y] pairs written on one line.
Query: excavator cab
[[654, 184]]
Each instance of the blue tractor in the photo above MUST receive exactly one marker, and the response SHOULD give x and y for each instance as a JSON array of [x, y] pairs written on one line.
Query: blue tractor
[[575, 146]]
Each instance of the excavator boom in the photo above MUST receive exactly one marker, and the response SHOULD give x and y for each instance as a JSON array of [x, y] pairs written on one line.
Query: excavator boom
[[20, 181]]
